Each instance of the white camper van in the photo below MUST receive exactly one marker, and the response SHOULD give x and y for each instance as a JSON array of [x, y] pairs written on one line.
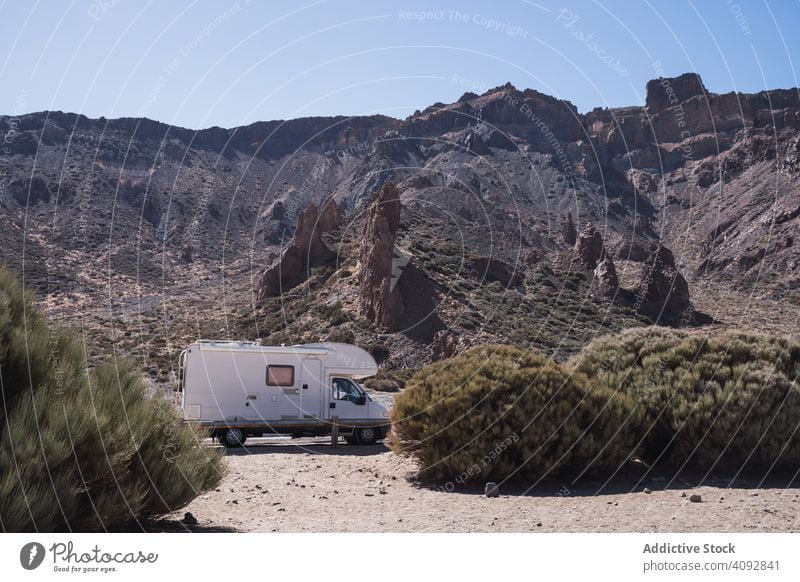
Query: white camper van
[[241, 389]]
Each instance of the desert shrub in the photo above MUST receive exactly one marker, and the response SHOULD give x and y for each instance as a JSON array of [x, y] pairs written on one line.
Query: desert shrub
[[719, 400], [389, 380], [382, 385], [503, 412], [338, 317], [345, 336], [378, 350], [84, 450]]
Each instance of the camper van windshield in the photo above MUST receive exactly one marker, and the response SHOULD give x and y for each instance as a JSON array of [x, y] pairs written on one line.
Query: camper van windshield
[[346, 389]]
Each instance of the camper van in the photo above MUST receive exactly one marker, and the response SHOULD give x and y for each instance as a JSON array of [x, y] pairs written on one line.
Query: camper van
[[241, 389]]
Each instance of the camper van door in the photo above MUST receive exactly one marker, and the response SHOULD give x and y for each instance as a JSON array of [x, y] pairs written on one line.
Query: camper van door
[[311, 389]]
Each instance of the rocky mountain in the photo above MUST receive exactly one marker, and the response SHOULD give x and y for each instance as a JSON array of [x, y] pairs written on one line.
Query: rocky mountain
[[516, 218]]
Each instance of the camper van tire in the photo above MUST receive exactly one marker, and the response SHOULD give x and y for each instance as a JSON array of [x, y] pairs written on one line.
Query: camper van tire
[[233, 437], [366, 435]]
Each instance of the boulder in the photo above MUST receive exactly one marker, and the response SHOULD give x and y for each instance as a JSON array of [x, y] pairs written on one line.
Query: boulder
[[380, 300], [663, 292], [589, 246], [605, 276], [277, 210]]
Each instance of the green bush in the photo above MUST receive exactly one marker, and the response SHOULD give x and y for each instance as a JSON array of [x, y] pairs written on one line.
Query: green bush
[[338, 317], [344, 336], [382, 385], [84, 450], [719, 400], [389, 380], [497, 412]]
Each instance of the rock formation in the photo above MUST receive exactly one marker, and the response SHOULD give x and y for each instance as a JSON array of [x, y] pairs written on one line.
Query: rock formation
[[380, 299], [665, 92], [305, 249], [568, 230], [605, 276], [663, 292], [328, 217], [589, 247]]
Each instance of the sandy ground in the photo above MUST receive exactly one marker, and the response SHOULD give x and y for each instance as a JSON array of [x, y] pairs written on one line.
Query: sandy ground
[[309, 486]]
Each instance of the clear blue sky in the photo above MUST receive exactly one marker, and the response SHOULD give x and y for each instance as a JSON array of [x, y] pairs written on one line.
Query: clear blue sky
[[227, 63]]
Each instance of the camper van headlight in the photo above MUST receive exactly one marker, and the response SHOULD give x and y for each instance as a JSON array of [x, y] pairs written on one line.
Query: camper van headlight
[[386, 414]]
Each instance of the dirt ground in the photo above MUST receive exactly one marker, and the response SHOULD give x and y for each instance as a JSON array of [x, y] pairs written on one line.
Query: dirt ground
[[309, 486]]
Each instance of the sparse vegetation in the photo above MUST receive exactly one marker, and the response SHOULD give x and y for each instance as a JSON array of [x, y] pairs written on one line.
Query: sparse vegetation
[[84, 450], [389, 380], [725, 400], [523, 412]]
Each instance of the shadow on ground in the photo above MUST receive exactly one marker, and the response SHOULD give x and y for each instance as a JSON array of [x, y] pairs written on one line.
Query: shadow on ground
[[629, 480], [312, 448]]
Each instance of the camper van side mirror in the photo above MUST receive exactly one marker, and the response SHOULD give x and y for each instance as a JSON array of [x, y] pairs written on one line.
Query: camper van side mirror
[[362, 399]]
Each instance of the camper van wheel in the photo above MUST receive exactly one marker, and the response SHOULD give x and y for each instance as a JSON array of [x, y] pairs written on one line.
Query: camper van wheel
[[366, 435], [233, 437]]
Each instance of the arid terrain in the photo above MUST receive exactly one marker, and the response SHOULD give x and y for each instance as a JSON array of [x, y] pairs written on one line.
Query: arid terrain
[[309, 486], [507, 217], [145, 236]]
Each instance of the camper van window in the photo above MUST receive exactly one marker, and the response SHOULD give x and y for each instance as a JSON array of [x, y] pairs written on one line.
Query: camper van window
[[280, 375], [344, 389]]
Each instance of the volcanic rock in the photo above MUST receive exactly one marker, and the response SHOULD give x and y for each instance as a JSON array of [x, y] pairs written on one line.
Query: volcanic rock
[[380, 299], [662, 292], [305, 249], [605, 276], [666, 92], [328, 220], [589, 247], [568, 230]]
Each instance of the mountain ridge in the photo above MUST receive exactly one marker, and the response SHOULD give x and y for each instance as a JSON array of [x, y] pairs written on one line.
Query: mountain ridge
[[125, 220]]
